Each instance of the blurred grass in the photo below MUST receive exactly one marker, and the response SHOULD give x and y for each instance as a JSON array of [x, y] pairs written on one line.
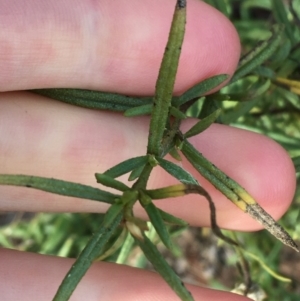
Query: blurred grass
[[258, 103]]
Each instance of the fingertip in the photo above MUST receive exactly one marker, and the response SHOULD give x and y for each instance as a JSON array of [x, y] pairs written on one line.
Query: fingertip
[[28, 276], [211, 46], [112, 47]]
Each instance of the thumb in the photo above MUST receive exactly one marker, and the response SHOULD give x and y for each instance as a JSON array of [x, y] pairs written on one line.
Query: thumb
[[108, 45]]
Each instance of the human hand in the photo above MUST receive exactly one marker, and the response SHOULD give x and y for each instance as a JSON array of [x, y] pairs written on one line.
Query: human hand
[[114, 46]]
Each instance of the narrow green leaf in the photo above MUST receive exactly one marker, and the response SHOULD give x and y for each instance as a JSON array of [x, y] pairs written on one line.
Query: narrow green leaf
[[291, 64], [59, 187], [266, 72], [156, 220], [203, 124], [114, 247], [108, 181], [259, 54], [289, 142], [126, 249], [126, 166], [94, 99], [138, 111], [166, 79], [177, 172], [210, 105], [241, 109], [177, 113], [266, 268], [136, 173], [92, 250], [162, 267], [159, 225], [65, 249], [194, 109], [174, 154], [200, 89], [171, 219], [142, 181], [280, 56], [258, 88], [280, 13]]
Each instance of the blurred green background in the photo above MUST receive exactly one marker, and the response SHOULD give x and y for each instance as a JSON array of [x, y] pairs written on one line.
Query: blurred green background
[[261, 102]]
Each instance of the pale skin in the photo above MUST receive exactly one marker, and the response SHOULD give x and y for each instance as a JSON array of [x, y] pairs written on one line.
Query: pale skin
[[114, 46]]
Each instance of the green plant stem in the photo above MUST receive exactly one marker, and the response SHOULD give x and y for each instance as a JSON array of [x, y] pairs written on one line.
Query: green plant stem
[[168, 140], [141, 183]]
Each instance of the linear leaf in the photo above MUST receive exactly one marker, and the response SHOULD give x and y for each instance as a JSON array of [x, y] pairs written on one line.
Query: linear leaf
[[177, 113], [171, 219], [126, 249], [138, 111], [59, 187], [166, 79], [291, 63], [113, 248], [93, 99], [266, 267], [241, 109], [136, 173], [108, 181], [175, 154], [282, 17], [177, 172], [126, 166], [159, 225], [259, 54], [90, 253], [203, 124], [255, 90], [162, 267], [210, 105], [200, 89]]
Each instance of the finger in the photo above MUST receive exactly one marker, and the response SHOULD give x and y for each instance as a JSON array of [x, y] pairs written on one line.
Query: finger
[[26, 276], [108, 45], [52, 139]]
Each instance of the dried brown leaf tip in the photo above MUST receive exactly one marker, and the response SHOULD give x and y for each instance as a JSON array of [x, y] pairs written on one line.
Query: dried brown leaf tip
[[259, 214], [181, 3]]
